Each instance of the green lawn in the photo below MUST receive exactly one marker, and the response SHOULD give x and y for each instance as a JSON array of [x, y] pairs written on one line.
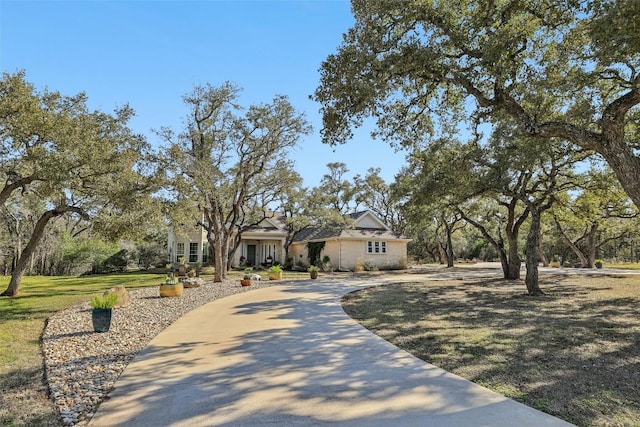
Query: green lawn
[[23, 393], [23, 398], [624, 265]]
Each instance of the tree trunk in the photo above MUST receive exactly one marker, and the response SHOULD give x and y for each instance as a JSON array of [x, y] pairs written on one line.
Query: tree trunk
[[449, 249], [515, 262], [531, 279], [543, 256], [504, 262], [592, 243], [219, 262], [512, 230], [498, 245], [230, 254], [433, 253], [576, 250], [442, 255], [23, 262], [623, 161]]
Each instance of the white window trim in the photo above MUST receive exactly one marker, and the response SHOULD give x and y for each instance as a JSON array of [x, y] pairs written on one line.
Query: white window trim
[[180, 254], [376, 247], [193, 254]]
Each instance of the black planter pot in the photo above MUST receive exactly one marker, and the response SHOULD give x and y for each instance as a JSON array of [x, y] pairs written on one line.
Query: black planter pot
[[101, 319]]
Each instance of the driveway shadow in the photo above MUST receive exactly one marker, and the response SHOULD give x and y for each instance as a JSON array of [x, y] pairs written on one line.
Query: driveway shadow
[[289, 355]]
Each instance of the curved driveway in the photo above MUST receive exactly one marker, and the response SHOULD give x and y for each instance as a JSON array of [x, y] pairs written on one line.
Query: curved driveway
[[289, 355]]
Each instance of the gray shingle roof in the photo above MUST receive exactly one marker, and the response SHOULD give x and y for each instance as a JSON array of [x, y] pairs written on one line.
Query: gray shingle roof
[[311, 234]]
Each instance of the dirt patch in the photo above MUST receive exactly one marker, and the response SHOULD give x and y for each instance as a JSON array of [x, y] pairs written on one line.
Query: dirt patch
[[573, 353]]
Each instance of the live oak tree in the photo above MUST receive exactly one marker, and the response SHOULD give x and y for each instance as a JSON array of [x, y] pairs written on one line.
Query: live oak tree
[[382, 199], [599, 212], [335, 191], [296, 207], [522, 177], [565, 70], [534, 173], [472, 182], [231, 164], [432, 197], [77, 162], [331, 203], [499, 220]]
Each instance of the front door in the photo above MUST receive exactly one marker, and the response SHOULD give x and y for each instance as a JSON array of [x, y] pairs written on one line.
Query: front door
[[251, 255]]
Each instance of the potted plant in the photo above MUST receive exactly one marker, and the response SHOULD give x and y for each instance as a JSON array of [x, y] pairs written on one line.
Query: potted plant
[[275, 272], [598, 263], [101, 313], [171, 287], [313, 272], [198, 269], [247, 279]]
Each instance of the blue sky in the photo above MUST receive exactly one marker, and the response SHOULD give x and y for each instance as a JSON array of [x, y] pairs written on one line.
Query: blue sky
[[150, 53]]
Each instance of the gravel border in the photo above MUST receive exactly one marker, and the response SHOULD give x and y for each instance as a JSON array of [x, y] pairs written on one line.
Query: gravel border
[[82, 366]]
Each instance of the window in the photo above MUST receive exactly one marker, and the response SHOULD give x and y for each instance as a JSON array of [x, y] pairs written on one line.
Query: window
[[376, 247], [179, 250], [193, 252], [205, 252]]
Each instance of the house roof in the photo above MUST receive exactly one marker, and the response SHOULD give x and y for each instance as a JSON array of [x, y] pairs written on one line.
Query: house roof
[[367, 225], [277, 222], [311, 234]]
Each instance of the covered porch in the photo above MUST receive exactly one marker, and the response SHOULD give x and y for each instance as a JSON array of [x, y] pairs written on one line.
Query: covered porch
[[260, 253]]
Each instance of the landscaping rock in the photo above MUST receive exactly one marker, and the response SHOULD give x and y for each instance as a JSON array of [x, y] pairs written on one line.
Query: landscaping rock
[[192, 282], [123, 296], [82, 367]]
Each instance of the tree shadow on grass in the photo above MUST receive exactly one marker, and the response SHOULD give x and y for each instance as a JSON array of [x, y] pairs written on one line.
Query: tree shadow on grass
[[24, 400], [574, 353]]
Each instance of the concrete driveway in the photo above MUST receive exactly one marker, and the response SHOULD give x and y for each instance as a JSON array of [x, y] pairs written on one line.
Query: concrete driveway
[[289, 355]]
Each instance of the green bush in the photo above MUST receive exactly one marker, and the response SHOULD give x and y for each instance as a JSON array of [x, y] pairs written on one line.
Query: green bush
[[115, 263], [367, 266]]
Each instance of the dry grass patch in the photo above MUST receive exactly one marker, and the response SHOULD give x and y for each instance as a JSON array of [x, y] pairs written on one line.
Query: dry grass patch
[[574, 353]]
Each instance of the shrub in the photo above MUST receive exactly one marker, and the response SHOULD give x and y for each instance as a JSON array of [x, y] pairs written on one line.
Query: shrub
[[104, 302], [171, 280], [367, 266], [115, 263], [301, 266], [288, 263], [275, 269]]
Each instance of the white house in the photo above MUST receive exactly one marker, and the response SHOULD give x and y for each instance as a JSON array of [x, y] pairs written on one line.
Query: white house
[[259, 245], [368, 242]]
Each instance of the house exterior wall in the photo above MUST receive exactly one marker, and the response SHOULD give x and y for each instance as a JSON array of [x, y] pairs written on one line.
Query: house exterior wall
[[347, 252], [351, 254], [298, 252], [332, 250], [179, 245], [367, 221], [355, 255]]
